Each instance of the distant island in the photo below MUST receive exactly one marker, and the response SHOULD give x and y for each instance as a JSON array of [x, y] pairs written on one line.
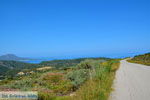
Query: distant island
[[12, 57]]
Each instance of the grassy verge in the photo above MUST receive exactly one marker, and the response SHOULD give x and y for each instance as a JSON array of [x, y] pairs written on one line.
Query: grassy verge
[[99, 87]]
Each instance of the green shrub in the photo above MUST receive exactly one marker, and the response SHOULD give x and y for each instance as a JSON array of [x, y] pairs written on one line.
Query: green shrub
[[99, 87], [78, 77], [85, 64]]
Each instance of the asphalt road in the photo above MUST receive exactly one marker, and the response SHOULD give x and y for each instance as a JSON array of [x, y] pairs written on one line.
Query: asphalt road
[[132, 82]]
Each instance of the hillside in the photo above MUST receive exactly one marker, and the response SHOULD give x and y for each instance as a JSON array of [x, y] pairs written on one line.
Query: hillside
[[141, 59], [11, 57], [11, 68], [68, 62], [90, 79]]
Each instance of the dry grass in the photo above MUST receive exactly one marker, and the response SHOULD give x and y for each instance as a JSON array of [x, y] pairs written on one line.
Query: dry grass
[[99, 87]]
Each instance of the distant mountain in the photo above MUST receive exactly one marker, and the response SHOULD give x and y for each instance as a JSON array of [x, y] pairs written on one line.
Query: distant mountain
[[12, 57]]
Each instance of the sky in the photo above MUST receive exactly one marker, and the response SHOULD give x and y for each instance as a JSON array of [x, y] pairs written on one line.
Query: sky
[[74, 28]]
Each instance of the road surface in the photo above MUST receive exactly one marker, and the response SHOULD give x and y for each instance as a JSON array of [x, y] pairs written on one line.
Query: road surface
[[132, 82]]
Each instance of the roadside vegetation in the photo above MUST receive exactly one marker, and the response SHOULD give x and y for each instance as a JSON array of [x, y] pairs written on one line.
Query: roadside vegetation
[[9, 69], [90, 79], [98, 86], [141, 59]]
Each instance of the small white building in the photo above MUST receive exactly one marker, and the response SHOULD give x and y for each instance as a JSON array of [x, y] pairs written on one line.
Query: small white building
[[21, 73]]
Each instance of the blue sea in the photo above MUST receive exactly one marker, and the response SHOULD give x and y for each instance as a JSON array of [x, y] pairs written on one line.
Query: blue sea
[[35, 61]]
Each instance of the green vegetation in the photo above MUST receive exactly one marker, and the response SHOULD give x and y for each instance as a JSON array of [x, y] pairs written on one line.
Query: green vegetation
[[67, 62], [98, 87], [11, 68], [141, 59], [8, 69], [88, 79]]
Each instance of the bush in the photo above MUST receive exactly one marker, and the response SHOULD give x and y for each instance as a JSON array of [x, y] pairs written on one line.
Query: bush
[[84, 71], [99, 87], [85, 64], [78, 77]]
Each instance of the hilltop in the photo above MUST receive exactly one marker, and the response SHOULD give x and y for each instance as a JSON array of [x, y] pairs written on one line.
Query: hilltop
[[12, 57]]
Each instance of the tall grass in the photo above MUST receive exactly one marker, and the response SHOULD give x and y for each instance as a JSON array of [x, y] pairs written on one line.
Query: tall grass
[[99, 87]]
